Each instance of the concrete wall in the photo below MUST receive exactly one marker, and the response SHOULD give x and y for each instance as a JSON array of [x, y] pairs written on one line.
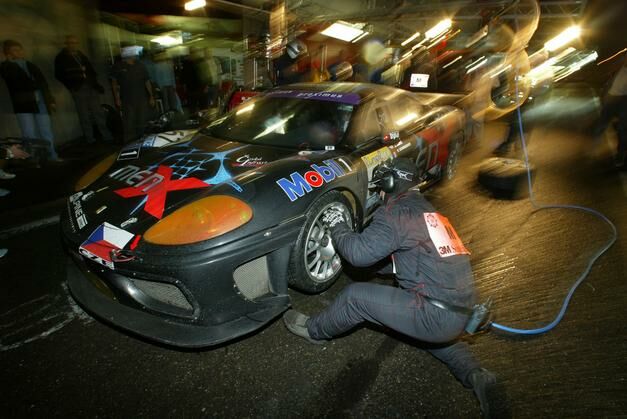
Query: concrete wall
[[41, 25]]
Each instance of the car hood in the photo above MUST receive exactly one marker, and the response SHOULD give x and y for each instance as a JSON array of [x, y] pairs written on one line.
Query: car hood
[[146, 185]]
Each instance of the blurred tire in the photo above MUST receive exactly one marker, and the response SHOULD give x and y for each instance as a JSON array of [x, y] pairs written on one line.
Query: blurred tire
[[505, 178]]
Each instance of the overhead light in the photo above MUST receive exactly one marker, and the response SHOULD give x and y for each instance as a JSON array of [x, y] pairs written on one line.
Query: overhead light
[[480, 64], [167, 40], [439, 29], [459, 57], [195, 4], [360, 37], [343, 30], [563, 38], [411, 38]]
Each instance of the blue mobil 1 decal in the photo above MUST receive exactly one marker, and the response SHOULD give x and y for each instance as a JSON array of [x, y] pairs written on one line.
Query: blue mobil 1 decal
[[348, 98], [298, 185]]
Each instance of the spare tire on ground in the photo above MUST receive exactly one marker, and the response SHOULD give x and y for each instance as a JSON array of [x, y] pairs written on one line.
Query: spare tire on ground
[[505, 178]]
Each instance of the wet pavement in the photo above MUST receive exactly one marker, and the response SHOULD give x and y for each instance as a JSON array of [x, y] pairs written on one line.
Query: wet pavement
[[58, 361]]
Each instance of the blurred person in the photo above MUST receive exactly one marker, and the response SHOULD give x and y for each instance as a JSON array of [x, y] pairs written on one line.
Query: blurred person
[[10, 152], [435, 290], [289, 67], [163, 76], [74, 70], [31, 98], [615, 106], [211, 70], [132, 92], [195, 84]]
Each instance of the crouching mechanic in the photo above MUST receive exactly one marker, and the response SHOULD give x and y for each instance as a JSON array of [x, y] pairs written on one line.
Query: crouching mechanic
[[433, 272]]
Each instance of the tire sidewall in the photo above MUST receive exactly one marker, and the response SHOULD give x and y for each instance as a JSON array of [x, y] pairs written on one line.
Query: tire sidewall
[[297, 273]]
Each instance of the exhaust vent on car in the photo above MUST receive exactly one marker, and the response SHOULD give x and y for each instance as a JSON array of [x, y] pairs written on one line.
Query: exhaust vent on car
[[253, 278], [166, 293]]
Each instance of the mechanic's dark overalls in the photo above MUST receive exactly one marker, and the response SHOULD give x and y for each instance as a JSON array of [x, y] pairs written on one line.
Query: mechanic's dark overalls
[[400, 229]]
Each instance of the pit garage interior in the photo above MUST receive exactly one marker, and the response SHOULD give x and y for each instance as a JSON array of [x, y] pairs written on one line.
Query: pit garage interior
[[543, 215]]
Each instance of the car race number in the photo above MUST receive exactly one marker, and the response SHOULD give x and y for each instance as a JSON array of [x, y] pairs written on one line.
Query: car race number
[[444, 236]]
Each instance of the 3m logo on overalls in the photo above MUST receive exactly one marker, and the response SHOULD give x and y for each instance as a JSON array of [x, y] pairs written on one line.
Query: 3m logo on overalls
[[299, 184], [444, 236]]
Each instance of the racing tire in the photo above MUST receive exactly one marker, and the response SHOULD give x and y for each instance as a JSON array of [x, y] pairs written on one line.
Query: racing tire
[[314, 263], [455, 148], [505, 178]]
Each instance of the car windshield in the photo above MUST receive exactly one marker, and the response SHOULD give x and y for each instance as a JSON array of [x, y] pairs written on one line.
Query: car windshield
[[299, 123]]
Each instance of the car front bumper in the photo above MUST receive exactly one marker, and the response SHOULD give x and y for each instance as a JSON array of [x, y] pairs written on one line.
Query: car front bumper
[[198, 300]]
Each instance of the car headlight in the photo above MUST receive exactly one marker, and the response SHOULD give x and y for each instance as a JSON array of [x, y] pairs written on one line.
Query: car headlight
[[95, 172], [201, 220]]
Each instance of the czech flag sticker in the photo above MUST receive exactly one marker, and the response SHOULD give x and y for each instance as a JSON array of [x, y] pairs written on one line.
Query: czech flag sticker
[[102, 241]]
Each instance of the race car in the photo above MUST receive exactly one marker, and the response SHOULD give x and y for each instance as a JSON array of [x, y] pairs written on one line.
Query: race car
[[193, 240]]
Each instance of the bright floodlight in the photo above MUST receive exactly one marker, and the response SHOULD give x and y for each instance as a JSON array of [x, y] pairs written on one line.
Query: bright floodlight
[[195, 4], [439, 29], [342, 30], [411, 38], [563, 38], [167, 40]]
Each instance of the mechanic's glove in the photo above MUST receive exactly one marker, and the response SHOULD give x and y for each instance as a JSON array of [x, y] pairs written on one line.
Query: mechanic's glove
[[333, 217]]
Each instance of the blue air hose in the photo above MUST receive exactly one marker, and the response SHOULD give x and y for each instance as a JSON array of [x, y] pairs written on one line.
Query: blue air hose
[[585, 273]]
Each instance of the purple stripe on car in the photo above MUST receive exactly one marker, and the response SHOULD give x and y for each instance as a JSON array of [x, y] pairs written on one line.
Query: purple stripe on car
[[347, 98]]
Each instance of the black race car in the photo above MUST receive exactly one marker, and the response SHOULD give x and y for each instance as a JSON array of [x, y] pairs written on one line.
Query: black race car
[[193, 240]]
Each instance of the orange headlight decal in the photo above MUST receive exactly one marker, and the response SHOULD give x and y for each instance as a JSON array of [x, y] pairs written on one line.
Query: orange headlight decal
[[201, 220], [95, 172]]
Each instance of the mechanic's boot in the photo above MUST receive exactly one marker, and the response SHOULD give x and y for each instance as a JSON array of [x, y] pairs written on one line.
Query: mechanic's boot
[[295, 323], [490, 395]]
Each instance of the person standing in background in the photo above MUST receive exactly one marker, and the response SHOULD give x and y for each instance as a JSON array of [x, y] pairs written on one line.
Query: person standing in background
[[74, 70], [163, 75], [31, 98], [615, 106], [211, 69], [132, 92]]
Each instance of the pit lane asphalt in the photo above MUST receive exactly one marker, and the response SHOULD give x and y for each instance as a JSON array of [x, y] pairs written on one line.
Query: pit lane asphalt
[[58, 361]]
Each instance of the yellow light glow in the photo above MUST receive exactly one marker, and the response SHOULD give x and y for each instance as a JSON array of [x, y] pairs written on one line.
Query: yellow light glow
[[563, 38], [195, 4], [167, 40], [411, 38], [245, 109], [439, 29], [407, 118]]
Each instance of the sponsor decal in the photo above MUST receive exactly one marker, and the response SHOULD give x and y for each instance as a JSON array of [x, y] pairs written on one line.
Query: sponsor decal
[[154, 186], [130, 153], [77, 208], [300, 184], [88, 195], [443, 235], [105, 239], [347, 98], [249, 161], [128, 222], [165, 138], [377, 157], [418, 80]]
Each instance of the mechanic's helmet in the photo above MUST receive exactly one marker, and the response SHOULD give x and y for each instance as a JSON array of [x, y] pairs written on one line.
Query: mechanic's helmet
[[296, 48], [395, 177]]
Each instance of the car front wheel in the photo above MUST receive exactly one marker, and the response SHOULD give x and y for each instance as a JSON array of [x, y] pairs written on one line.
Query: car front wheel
[[315, 264]]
